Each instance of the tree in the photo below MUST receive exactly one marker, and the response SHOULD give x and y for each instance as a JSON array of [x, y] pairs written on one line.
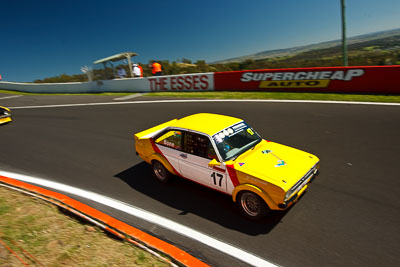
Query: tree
[[202, 66], [187, 61]]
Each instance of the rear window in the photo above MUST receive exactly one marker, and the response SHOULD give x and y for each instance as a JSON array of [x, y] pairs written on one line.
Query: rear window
[[172, 139]]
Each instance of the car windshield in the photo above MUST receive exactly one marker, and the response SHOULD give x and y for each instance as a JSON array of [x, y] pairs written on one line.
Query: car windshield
[[235, 140]]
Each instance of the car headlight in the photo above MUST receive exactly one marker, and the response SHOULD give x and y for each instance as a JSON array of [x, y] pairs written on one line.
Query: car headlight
[[289, 193]]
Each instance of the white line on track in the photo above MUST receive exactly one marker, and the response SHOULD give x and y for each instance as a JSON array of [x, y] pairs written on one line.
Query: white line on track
[[231, 250], [127, 97], [210, 100], [8, 97]]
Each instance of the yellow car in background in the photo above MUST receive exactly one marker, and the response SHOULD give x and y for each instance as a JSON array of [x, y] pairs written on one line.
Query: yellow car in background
[[224, 153], [5, 115]]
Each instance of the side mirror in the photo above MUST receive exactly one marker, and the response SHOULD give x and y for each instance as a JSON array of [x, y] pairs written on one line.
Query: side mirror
[[214, 163]]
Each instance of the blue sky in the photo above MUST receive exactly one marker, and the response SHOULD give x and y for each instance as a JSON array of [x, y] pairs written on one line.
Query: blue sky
[[47, 38]]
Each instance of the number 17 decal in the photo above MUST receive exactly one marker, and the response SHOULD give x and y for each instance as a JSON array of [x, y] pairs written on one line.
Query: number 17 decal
[[217, 176]]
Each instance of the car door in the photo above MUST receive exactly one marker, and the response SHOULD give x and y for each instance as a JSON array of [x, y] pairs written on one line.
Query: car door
[[197, 153]]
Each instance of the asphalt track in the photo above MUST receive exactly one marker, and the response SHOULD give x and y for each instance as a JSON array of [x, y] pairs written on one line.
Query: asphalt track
[[348, 217]]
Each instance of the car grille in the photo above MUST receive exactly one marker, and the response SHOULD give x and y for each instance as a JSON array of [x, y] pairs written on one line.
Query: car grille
[[302, 181], [305, 177]]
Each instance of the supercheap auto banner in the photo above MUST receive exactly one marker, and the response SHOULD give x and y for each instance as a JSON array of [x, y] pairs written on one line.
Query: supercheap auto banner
[[370, 79]]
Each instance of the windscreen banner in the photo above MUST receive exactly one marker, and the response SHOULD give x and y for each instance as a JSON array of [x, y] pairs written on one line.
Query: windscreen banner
[[370, 79]]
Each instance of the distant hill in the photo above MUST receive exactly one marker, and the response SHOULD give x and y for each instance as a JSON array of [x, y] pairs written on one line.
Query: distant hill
[[289, 52], [373, 49]]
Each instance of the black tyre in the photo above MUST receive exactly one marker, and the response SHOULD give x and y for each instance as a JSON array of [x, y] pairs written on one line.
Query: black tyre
[[161, 174], [251, 205]]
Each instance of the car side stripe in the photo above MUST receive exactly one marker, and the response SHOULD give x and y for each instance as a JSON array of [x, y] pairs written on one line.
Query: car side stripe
[[232, 175], [219, 169], [155, 148]]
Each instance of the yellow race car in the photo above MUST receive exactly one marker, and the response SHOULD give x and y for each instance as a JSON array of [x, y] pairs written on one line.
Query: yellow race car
[[226, 154], [5, 115]]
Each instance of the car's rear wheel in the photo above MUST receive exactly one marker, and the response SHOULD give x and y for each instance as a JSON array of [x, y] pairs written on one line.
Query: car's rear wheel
[[251, 205], [161, 174]]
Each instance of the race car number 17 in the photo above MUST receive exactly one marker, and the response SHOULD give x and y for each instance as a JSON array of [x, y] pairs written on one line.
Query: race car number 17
[[217, 178]]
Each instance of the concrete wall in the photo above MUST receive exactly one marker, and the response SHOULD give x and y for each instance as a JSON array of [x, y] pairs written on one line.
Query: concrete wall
[[187, 82]]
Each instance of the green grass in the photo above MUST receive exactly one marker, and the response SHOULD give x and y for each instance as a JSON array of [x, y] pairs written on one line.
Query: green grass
[[370, 48], [281, 96], [55, 239]]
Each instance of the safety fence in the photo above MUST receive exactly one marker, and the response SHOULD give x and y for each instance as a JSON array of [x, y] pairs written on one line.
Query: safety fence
[[368, 79]]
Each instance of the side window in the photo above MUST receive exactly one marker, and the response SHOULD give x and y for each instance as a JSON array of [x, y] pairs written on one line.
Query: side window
[[172, 139], [199, 145]]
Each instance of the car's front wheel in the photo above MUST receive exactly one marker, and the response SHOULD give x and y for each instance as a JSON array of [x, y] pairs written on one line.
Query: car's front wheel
[[251, 205], [161, 174]]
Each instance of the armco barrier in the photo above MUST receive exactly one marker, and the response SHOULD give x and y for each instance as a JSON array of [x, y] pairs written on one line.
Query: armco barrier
[[371, 79], [187, 82], [117, 85]]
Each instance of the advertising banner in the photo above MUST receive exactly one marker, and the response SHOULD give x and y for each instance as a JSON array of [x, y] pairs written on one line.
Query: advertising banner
[[376, 79], [187, 82]]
